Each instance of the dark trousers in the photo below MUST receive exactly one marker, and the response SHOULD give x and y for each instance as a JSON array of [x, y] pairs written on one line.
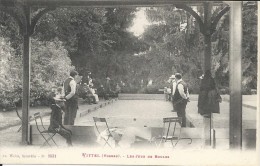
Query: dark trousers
[[71, 108], [67, 135], [180, 109]]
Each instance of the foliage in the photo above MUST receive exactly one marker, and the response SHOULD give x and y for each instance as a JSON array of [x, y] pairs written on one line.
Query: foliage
[[50, 66], [9, 69], [172, 47], [96, 38], [177, 49], [249, 50]]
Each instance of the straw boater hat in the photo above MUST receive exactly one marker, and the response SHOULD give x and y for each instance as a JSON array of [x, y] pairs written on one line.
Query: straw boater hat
[[58, 98], [172, 77]]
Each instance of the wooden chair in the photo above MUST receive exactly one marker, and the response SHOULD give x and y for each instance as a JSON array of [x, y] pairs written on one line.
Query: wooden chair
[[171, 131], [19, 116], [107, 130]]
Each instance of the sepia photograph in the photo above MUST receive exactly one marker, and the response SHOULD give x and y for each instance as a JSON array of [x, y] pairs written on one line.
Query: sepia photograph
[[129, 82]]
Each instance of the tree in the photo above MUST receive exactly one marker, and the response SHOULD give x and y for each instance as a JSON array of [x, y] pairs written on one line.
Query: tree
[[8, 74], [178, 48], [96, 39], [249, 49], [172, 46], [50, 67]]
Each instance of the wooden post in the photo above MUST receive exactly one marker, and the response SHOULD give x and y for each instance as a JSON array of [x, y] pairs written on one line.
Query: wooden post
[[26, 77], [235, 74], [258, 84], [207, 65]]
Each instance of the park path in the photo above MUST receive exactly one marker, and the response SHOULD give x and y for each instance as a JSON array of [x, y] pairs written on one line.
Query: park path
[[150, 112], [125, 113], [221, 120], [139, 112]]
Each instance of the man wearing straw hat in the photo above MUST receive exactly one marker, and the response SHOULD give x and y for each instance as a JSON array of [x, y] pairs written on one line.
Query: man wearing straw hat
[[56, 119]]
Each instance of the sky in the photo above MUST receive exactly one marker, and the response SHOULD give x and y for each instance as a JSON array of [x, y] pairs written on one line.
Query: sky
[[140, 22]]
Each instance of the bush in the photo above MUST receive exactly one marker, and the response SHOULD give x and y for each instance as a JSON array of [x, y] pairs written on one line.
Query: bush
[[50, 67]]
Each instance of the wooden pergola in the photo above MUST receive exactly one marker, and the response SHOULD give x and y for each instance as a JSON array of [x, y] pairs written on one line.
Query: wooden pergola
[[20, 10]]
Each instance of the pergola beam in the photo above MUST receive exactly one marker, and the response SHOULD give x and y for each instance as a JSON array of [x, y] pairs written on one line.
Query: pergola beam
[[102, 3]]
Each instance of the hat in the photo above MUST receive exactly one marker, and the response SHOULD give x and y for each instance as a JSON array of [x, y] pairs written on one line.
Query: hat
[[58, 98], [172, 77], [178, 75], [108, 78], [201, 77], [73, 73]]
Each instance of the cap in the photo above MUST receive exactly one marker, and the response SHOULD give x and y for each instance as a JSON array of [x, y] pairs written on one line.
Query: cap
[[58, 98], [73, 73], [178, 75]]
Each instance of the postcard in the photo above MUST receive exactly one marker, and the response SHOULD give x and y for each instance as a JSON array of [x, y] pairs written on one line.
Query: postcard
[[129, 82]]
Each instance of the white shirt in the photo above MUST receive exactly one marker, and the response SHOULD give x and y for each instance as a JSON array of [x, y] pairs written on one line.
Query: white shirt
[[73, 86], [181, 89], [173, 86]]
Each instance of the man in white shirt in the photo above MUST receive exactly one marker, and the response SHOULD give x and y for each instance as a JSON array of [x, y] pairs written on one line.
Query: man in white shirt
[[71, 104], [180, 97]]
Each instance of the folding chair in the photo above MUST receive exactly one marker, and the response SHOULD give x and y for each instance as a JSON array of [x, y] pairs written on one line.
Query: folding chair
[[107, 130], [19, 116], [51, 134], [169, 131]]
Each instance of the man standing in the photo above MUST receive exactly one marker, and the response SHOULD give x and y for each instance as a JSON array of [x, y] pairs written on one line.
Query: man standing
[[71, 104], [172, 86], [108, 91], [180, 98]]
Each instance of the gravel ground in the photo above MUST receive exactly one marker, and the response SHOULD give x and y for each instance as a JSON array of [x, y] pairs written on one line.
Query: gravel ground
[[131, 112], [10, 123]]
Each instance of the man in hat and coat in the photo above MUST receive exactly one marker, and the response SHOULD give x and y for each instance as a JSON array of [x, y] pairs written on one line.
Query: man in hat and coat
[[209, 97], [107, 87]]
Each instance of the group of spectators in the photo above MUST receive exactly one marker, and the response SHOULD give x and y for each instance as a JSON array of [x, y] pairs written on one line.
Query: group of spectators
[[87, 91], [178, 93], [91, 93]]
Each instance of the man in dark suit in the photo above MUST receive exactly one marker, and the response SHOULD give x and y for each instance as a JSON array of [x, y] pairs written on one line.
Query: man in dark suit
[[71, 97], [56, 120], [180, 98]]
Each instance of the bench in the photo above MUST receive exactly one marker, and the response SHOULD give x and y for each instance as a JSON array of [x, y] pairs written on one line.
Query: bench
[[161, 90]]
